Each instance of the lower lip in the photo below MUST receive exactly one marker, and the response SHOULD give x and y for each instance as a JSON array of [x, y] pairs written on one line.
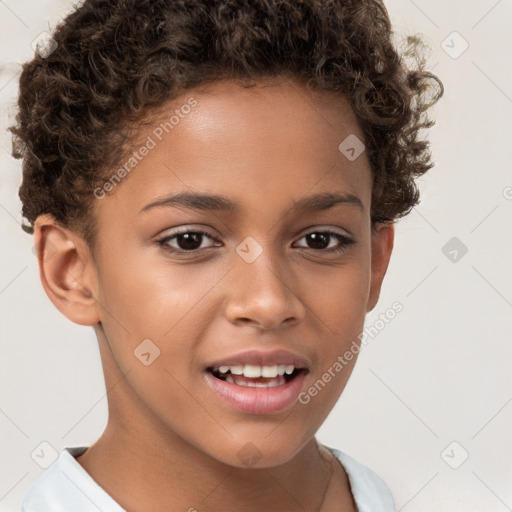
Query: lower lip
[[258, 400]]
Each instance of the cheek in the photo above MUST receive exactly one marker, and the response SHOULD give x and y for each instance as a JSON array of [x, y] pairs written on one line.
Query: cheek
[[151, 300], [341, 310], [339, 296], [166, 303]]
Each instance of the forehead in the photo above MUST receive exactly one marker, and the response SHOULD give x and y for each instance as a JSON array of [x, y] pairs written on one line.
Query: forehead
[[262, 146]]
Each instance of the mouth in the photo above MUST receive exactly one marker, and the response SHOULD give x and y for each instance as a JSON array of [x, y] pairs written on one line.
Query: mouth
[[257, 383], [255, 376]]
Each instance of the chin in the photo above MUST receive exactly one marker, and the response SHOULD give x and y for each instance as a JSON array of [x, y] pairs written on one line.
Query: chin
[[261, 453]]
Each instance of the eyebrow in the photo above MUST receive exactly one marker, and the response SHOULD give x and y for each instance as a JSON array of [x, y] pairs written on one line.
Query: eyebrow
[[208, 202]]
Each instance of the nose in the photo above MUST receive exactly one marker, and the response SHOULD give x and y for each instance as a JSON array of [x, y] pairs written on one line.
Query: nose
[[263, 294]]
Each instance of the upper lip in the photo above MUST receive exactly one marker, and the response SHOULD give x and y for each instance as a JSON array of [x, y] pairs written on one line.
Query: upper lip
[[260, 358]]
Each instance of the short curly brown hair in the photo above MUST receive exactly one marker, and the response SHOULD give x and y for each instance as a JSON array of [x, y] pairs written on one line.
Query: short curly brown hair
[[116, 61]]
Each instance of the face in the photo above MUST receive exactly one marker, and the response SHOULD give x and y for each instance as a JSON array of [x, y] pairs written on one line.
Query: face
[[223, 313]]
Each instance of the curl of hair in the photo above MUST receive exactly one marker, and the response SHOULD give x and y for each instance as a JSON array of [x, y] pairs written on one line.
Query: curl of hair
[[117, 61]]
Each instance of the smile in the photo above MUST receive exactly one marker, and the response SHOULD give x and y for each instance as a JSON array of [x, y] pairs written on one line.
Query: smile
[[258, 385], [256, 376]]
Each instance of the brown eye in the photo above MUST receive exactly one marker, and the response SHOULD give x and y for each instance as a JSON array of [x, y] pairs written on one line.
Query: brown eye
[[321, 241], [185, 241]]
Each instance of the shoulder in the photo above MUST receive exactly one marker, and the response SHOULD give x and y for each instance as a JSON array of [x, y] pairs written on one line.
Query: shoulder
[[370, 492], [66, 486]]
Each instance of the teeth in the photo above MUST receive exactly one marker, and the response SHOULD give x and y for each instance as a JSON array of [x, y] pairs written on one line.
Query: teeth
[[254, 371], [270, 384], [269, 371]]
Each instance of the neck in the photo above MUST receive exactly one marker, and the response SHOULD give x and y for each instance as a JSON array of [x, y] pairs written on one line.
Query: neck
[[148, 476]]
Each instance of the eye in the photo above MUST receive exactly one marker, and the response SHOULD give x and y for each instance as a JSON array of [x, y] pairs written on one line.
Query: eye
[[186, 240], [191, 241], [321, 240]]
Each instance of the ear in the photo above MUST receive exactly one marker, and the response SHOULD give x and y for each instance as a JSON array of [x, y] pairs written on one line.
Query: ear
[[67, 270], [382, 245]]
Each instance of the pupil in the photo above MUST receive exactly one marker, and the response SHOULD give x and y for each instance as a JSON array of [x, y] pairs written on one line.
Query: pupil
[[319, 238], [191, 240]]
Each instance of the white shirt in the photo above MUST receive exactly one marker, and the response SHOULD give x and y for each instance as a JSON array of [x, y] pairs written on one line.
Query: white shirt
[[66, 487]]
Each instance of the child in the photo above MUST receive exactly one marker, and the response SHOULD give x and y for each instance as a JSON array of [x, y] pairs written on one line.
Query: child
[[212, 185]]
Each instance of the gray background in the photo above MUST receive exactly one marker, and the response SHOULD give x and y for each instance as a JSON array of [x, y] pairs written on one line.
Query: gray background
[[433, 387]]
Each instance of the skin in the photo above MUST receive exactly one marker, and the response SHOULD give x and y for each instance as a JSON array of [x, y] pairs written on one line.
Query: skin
[[170, 442]]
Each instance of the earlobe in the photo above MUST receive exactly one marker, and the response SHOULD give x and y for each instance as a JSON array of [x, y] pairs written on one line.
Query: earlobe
[[382, 247], [66, 270]]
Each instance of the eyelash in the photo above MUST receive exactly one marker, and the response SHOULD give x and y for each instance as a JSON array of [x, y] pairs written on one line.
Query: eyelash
[[345, 241]]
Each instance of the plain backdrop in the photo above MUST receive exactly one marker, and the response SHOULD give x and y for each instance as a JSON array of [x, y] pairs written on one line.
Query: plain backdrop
[[428, 406]]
